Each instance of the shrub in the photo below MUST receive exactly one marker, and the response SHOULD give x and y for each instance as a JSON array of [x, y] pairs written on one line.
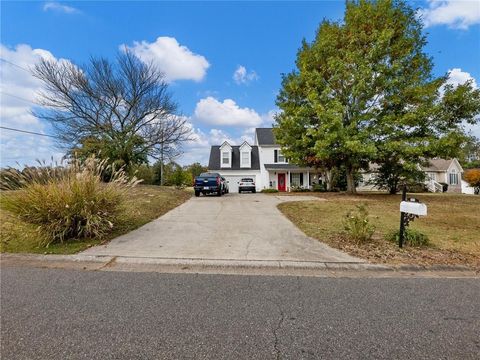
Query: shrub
[[269, 191], [180, 178], [472, 177], [75, 205], [296, 188], [357, 224], [144, 173], [411, 237], [416, 187], [319, 188]]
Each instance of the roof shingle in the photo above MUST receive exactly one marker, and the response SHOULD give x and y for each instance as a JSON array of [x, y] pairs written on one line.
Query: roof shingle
[[265, 136], [437, 165], [214, 161]]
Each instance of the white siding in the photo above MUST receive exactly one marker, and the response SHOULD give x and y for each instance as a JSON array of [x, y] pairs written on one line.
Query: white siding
[[267, 156], [467, 189]]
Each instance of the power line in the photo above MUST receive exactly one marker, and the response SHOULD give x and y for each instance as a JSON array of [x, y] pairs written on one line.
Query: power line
[[27, 132], [18, 97], [18, 66]]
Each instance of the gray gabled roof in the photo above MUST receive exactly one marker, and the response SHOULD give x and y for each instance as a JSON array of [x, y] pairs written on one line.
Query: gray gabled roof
[[437, 165], [265, 136], [214, 162]]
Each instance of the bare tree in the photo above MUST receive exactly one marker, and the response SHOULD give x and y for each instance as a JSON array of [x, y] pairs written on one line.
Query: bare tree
[[122, 107], [173, 132]]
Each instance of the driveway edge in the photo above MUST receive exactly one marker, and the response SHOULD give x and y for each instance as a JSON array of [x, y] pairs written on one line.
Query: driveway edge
[[271, 267]]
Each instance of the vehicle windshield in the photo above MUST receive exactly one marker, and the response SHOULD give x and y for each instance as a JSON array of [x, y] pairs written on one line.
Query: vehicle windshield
[[247, 180], [208, 174]]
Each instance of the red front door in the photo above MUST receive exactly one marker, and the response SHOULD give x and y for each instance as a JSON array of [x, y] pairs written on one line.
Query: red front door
[[281, 182]]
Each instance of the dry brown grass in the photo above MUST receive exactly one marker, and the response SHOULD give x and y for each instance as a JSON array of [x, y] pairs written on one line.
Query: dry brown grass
[[452, 225], [143, 204]]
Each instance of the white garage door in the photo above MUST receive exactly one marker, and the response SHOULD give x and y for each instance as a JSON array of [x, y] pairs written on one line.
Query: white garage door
[[233, 181]]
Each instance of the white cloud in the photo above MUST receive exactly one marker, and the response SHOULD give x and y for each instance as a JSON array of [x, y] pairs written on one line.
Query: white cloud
[[457, 14], [55, 6], [456, 77], [198, 149], [18, 93], [176, 61], [269, 118], [242, 76], [227, 113]]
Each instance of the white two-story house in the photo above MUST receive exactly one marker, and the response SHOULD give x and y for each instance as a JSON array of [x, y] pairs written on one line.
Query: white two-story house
[[262, 161]]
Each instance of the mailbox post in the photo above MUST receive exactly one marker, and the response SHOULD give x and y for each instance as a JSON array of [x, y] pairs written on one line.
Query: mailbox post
[[409, 210], [402, 218]]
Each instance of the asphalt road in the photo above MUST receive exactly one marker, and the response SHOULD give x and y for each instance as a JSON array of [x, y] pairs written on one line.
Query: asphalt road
[[68, 314]]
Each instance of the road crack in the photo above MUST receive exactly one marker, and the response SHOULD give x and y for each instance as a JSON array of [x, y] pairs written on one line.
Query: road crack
[[108, 264], [275, 331]]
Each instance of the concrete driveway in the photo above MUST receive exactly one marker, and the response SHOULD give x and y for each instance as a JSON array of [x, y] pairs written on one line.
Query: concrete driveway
[[231, 227]]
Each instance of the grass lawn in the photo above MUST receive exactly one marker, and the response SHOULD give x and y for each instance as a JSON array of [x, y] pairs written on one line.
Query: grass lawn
[[144, 203], [452, 225]]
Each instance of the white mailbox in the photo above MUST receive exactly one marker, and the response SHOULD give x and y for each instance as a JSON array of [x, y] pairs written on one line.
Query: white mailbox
[[415, 208]]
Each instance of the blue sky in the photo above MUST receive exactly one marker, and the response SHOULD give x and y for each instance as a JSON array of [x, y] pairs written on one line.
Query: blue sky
[[223, 59]]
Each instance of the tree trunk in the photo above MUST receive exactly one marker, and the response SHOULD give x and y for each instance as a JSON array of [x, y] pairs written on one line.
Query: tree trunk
[[393, 186], [329, 179], [161, 167], [393, 190], [351, 189]]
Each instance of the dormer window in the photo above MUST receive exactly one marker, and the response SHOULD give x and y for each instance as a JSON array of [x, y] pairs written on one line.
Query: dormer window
[[225, 158], [226, 155], [245, 155], [245, 158]]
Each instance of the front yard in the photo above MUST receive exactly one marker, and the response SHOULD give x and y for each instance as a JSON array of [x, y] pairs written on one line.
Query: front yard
[[144, 203], [452, 225]]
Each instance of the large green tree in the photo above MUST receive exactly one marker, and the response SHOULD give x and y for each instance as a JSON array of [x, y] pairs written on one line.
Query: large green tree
[[363, 91], [470, 152]]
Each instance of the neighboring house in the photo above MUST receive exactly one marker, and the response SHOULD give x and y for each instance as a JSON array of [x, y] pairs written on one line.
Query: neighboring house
[[438, 171], [444, 171], [263, 161]]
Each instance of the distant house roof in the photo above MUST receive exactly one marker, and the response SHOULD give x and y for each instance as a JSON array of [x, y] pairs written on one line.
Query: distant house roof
[[265, 136], [214, 162], [438, 165]]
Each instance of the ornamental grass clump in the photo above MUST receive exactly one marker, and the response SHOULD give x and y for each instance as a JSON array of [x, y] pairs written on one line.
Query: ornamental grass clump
[[14, 179], [357, 224], [76, 204]]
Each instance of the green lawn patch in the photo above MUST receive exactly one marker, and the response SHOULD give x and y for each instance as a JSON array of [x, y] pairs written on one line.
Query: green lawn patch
[[452, 227], [144, 203]]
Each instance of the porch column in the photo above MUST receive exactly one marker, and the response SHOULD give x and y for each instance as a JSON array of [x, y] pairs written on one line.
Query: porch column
[[308, 179], [288, 180]]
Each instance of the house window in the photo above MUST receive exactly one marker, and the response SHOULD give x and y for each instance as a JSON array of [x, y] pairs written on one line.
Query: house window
[[432, 176], [245, 158], [225, 158], [295, 179], [281, 158], [453, 177]]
